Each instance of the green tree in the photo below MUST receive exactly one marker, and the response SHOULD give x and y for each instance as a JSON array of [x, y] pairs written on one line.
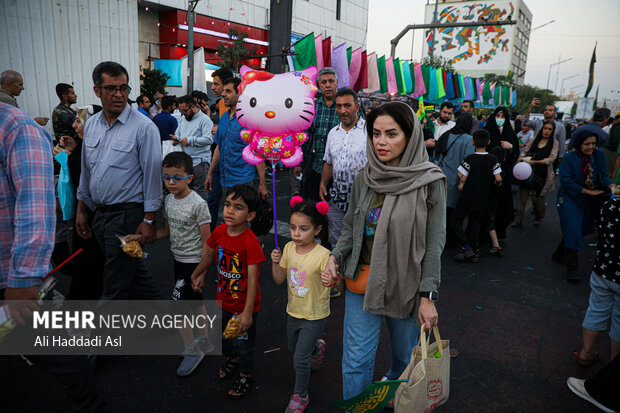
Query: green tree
[[526, 93], [502, 79], [231, 56], [438, 62], [153, 81]]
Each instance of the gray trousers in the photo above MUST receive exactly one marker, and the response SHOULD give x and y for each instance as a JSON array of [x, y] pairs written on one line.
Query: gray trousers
[[302, 336], [200, 176], [122, 275], [335, 217], [538, 203]]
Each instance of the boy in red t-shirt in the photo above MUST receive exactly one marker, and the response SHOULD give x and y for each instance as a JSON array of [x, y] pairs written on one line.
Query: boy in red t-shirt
[[237, 253]]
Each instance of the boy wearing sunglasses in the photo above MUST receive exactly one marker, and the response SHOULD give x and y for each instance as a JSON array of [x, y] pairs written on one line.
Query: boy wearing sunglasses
[[187, 223]]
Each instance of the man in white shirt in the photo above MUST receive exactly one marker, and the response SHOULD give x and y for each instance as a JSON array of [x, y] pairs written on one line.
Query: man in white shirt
[[345, 156], [443, 123], [194, 133]]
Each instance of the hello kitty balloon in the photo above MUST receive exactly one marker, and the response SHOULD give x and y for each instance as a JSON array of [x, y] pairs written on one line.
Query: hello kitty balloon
[[275, 110]]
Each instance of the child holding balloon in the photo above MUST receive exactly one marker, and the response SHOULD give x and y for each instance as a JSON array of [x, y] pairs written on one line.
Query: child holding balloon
[[477, 173], [301, 264]]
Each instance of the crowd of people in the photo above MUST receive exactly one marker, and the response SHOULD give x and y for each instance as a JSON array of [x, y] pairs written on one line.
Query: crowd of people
[[378, 196]]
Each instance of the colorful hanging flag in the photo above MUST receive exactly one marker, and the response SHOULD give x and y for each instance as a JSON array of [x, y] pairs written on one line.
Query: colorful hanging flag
[[172, 67], [441, 90], [290, 59], [432, 84], [355, 68], [373, 399], [318, 46], [472, 87], [513, 100], [449, 86], [591, 79], [426, 75], [340, 65], [421, 113], [327, 52], [596, 97], [382, 74], [349, 51], [391, 76], [407, 75], [400, 79], [480, 87], [461, 88], [487, 94], [497, 88], [468, 95], [362, 80], [418, 82], [305, 53], [374, 83], [505, 96]]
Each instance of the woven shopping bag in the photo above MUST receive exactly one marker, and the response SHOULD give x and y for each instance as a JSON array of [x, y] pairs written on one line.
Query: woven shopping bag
[[428, 375]]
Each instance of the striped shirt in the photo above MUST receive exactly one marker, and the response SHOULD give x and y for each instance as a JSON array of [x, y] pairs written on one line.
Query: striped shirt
[[27, 202]]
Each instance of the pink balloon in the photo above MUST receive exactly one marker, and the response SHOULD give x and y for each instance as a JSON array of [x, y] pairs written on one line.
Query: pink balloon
[[275, 110], [522, 171]]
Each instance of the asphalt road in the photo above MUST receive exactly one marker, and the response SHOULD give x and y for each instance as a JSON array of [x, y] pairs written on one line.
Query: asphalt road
[[515, 322]]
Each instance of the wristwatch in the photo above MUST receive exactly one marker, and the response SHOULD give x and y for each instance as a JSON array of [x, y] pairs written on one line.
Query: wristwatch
[[431, 295], [148, 221]]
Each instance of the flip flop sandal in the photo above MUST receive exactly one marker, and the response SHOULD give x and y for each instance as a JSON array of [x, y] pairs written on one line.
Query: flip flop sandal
[[587, 362], [228, 369], [241, 386]]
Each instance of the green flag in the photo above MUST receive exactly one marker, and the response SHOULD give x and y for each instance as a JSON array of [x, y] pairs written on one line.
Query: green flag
[[426, 76], [486, 93], [400, 78], [505, 96], [349, 52], [441, 91], [421, 112], [373, 399], [591, 79], [305, 53], [382, 74], [497, 95], [596, 97]]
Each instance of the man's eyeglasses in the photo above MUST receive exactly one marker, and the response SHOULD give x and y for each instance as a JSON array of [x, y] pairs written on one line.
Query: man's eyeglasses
[[125, 89], [175, 178]]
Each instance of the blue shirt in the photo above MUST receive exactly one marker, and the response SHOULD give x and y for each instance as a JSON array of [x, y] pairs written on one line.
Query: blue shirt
[[198, 134], [233, 169], [121, 162], [167, 125], [460, 147], [144, 112]]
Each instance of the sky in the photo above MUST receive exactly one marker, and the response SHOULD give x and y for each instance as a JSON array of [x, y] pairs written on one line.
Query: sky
[[578, 25]]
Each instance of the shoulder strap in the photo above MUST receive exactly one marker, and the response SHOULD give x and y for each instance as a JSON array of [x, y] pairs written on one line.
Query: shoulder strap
[[443, 157]]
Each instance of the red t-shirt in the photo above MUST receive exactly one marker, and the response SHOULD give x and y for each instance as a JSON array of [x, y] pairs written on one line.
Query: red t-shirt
[[233, 255]]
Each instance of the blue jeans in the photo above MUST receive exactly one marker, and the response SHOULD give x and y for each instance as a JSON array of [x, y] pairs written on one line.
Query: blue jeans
[[604, 306], [361, 339], [213, 198]]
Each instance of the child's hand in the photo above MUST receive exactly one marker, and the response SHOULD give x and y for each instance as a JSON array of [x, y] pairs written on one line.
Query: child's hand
[[276, 256], [461, 186], [198, 282], [245, 321], [133, 237]]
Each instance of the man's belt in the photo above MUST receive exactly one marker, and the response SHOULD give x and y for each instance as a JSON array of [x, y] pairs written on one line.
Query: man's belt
[[120, 207]]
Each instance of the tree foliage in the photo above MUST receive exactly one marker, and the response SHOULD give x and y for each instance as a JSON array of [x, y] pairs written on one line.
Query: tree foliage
[[153, 81], [438, 62], [526, 93], [231, 56]]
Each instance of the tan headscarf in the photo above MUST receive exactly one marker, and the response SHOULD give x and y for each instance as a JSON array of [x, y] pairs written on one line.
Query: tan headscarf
[[400, 238]]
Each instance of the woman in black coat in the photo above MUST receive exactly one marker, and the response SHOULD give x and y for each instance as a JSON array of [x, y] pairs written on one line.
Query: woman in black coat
[[503, 135]]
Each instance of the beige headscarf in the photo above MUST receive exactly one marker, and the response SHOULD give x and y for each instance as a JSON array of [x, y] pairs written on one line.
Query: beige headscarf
[[400, 238]]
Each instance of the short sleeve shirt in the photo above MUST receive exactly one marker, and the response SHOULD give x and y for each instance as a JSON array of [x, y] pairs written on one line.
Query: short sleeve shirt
[[308, 298], [232, 257], [479, 168], [346, 152], [185, 216]]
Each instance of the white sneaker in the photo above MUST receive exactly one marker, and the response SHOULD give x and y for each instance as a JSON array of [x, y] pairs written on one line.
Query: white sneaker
[[577, 386]]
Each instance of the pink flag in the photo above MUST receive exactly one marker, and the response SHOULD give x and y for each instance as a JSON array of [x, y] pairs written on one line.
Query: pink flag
[[479, 88], [419, 88], [391, 76], [355, 66], [373, 74], [318, 45]]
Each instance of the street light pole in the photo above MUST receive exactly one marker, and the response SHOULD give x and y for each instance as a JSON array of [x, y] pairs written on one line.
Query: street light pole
[[559, 62], [566, 78], [191, 16]]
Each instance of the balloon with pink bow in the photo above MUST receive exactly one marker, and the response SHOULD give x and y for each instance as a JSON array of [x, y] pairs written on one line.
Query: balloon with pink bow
[[275, 110]]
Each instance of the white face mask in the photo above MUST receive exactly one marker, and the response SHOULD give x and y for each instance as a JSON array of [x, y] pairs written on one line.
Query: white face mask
[[500, 122]]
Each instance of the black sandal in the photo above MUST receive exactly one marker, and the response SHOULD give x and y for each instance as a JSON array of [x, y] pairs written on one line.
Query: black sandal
[[228, 369], [241, 386]]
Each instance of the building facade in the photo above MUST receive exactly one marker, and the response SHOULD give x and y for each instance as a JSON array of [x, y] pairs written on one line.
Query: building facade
[[475, 51]]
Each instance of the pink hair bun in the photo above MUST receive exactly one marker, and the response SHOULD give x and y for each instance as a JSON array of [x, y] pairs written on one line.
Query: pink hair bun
[[322, 207], [295, 200]]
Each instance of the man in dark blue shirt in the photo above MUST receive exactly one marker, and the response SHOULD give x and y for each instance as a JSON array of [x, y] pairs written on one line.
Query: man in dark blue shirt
[[166, 123]]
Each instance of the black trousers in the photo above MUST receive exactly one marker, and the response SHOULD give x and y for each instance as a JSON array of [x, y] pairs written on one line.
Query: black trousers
[[123, 276], [476, 221], [75, 376], [242, 347], [310, 183], [605, 384], [87, 277]]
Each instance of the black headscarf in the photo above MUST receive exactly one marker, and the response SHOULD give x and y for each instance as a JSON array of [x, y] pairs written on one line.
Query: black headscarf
[[541, 153], [507, 134], [462, 126]]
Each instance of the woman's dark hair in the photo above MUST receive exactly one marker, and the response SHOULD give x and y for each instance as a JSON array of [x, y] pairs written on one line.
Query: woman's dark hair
[[401, 114], [308, 208], [179, 160], [547, 122], [109, 68]]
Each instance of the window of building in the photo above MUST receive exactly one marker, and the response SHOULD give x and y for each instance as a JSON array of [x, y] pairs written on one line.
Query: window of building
[[338, 6]]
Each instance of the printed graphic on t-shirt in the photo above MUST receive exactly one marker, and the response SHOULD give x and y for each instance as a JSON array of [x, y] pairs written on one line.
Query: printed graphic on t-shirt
[[371, 221], [178, 286], [229, 269], [297, 281]]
